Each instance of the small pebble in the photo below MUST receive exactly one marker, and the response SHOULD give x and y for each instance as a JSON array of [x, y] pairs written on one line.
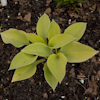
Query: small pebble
[[4, 3], [8, 16], [40, 14], [82, 81], [6, 19], [16, 2], [45, 95], [85, 97], [40, 83], [50, 91], [32, 82], [62, 97], [19, 14], [38, 17], [97, 98], [46, 5], [73, 64], [67, 83], [30, 90], [91, 11], [69, 21], [98, 41]]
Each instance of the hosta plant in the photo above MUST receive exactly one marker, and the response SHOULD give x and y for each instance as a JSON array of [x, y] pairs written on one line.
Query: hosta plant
[[50, 46]]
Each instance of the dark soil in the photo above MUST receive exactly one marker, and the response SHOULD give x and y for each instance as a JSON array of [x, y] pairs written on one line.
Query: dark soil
[[24, 14]]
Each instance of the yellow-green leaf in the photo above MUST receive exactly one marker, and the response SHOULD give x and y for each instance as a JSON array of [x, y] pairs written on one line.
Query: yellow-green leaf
[[76, 30], [60, 40], [49, 77], [43, 26], [34, 38], [15, 37], [22, 59], [76, 52], [39, 49], [57, 65], [54, 29], [26, 71]]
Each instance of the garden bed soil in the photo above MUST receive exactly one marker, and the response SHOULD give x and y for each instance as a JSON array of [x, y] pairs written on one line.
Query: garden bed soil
[[82, 79]]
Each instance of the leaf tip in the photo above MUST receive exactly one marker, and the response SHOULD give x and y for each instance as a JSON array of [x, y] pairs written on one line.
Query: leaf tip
[[9, 69], [53, 89], [59, 81], [12, 81], [53, 20], [97, 52], [44, 14], [22, 50], [85, 23]]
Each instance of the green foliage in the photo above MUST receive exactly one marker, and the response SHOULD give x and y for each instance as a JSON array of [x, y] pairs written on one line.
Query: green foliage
[[28, 2], [50, 46], [26, 59], [43, 26], [54, 29], [15, 37], [52, 81], [71, 3], [71, 30], [1, 26], [57, 65]]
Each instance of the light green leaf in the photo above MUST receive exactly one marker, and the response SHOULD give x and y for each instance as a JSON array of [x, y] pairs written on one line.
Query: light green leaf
[[26, 71], [39, 49], [15, 37], [54, 29], [51, 80], [76, 30], [43, 26], [57, 65], [22, 59], [60, 40], [34, 38], [76, 52]]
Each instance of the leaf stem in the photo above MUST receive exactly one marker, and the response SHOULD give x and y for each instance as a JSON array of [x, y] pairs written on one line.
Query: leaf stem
[[56, 51], [39, 61]]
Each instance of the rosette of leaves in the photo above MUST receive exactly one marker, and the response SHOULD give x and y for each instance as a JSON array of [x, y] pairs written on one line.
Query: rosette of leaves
[[54, 48], [71, 3]]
